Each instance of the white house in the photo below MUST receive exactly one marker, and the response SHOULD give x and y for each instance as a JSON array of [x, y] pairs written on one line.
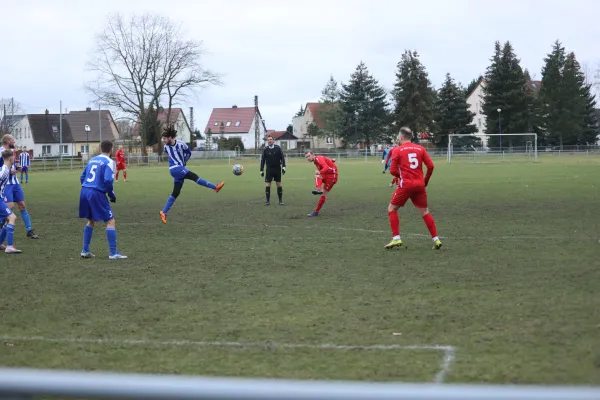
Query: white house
[[475, 101], [239, 122], [176, 117], [301, 124]]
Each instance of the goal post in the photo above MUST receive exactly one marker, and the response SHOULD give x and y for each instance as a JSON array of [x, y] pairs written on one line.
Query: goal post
[[492, 148]]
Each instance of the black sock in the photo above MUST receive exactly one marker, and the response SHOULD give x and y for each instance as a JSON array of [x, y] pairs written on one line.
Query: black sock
[[268, 193], [280, 193]]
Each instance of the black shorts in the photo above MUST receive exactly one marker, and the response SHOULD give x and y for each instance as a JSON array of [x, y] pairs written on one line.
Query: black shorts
[[273, 174]]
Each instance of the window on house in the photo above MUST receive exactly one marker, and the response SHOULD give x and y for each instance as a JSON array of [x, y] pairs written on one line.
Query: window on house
[[84, 149], [65, 149], [216, 123], [46, 150], [329, 140], [54, 129], [228, 123], [237, 123]]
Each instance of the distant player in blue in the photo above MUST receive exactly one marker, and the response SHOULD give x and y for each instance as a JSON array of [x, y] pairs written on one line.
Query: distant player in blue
[[8, 231], [14, 191], [179, 153], [384, 156], [96, 183], [24, 163]]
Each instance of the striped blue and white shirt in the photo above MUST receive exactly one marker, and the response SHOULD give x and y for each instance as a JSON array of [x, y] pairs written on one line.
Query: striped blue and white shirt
[[24, 160], [12, 179], [179, 154], [4, 175]]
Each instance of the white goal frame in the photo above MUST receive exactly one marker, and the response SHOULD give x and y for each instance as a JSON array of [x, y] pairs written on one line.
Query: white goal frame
[[531, 146]]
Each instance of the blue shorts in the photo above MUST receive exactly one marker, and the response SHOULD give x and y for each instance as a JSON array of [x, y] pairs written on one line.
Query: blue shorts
[[4, 210], [24, 169], [178, 173], [94, 205], [14, 193]]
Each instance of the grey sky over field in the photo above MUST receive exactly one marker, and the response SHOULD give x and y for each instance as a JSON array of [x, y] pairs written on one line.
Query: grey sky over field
[[285, 51]]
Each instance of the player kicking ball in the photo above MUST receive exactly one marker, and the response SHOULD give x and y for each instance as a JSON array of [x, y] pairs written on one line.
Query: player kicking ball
[[326, 175], [407, 166], [179, 153]]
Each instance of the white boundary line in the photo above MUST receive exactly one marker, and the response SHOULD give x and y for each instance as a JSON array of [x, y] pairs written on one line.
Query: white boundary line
[[339, 228], [444, 369]]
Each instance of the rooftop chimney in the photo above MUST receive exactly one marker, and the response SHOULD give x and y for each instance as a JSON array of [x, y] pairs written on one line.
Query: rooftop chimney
[[47, 112], [234, 106], [88, 109]]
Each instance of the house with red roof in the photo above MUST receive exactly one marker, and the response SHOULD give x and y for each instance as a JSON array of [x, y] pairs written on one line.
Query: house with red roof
[[301, 127], [238, 122]]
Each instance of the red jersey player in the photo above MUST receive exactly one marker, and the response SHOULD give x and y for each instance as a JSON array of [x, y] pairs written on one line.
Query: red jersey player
[[319, 181], [327, 171], [407, 166], [121, 166]]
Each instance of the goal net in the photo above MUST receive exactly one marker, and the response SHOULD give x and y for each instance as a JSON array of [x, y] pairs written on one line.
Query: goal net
[[493, 148]]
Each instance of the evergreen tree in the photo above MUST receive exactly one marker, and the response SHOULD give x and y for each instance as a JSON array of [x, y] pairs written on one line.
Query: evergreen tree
[[551, 96], [591, 125], [290, 129], [452, 114], [534, 112], [575, 109], [414, 96], [505, 90], [329, 110], [300, 112], [363, 108]]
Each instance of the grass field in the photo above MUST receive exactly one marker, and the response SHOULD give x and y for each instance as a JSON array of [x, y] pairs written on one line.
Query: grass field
[[514, 294]]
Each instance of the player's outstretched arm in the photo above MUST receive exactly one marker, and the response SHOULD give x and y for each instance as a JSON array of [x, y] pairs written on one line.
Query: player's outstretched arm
[[82, 177], [430, 166], [108, 183]]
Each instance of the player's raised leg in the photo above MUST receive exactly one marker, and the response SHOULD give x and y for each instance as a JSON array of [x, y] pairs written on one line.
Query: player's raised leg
[[177, 185], [327, 186], [318, 184], [202, 182]]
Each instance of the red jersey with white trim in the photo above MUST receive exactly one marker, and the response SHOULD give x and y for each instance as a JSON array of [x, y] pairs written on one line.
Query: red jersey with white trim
[[120, 156], [407, 165], [326, 167]]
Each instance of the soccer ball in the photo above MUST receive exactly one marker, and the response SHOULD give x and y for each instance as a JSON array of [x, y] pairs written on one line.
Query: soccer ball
[[238, 169]]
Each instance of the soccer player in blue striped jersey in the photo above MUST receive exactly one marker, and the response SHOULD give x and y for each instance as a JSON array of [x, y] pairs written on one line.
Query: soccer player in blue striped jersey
[[24, 163], [96, 183], [8, 231], [179, 153], [14, 192]]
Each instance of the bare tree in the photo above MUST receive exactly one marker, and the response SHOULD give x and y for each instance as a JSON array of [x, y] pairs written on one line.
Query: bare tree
[[9, 107], [144, 62]]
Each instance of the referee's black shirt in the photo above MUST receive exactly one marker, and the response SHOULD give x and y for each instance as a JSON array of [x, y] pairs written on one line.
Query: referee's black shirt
[[273, 157]]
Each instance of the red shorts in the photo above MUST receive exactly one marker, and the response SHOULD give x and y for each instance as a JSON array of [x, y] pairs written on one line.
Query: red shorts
[[121, 166], [329, 183], [418, 196]]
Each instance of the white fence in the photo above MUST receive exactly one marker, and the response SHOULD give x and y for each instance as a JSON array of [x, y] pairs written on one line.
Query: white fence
[[21, 384]]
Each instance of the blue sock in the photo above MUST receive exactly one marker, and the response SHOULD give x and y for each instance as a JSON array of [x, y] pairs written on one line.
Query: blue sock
[[26, 177], [169, 204], [2, 235], [10, 234], [207, 184], [26, 220], [111, 235], [21, 177], [88, 231]]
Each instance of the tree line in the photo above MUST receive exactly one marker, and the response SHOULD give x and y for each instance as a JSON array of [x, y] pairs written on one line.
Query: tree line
[[562, 111]]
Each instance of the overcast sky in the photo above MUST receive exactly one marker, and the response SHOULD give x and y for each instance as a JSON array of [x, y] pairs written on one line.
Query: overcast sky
[[284, 51]]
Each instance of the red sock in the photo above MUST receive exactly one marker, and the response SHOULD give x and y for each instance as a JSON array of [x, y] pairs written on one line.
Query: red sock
[[394, 222], [428, 218], [125, 174], [117, 175], [321, 203]]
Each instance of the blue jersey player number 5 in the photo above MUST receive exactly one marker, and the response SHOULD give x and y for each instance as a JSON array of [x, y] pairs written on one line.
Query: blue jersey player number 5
[[97, 182]]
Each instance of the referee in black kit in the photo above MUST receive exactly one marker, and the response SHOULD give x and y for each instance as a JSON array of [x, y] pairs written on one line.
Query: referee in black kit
[[273, 157]]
